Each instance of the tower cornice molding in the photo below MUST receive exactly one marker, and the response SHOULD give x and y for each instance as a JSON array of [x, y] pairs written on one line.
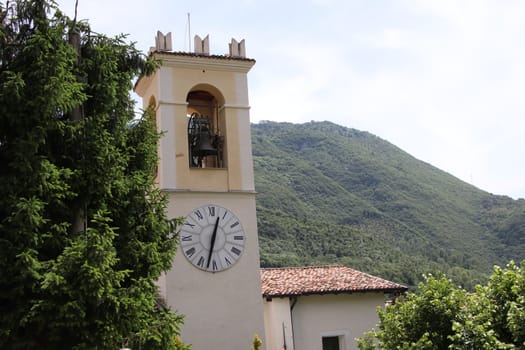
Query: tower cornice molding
[[173, 103], [212, 62], [184, 103], [186, 190]]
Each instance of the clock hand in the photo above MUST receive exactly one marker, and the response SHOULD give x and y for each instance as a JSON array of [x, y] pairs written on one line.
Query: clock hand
[[213, 237]]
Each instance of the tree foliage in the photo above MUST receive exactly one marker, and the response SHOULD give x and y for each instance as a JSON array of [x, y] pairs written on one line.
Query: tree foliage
[[443, 316], [61, 287]]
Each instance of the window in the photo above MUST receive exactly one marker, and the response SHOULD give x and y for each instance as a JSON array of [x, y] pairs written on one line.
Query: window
[[335, 340], [331, 343]]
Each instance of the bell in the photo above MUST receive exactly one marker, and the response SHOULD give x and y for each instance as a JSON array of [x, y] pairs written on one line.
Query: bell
[[203, 145]]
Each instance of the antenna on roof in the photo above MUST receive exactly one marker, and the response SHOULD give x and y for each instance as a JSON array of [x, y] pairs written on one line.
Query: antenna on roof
[[189, 33]]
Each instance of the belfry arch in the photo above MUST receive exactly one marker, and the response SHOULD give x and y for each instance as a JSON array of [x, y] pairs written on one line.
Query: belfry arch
[[206, 127]]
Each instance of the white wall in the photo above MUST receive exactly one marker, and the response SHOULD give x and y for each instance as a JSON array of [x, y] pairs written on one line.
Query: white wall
[[278, 324], [315, 316]]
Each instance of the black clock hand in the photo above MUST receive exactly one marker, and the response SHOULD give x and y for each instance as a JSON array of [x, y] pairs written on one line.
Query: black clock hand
[[213, 237]]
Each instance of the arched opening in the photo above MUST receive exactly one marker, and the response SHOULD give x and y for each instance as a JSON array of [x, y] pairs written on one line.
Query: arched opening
[[206, 127]]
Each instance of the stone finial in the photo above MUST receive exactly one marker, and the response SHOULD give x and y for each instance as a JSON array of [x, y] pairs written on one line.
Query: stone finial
[[237, 49], [162, 42], [201, 46]]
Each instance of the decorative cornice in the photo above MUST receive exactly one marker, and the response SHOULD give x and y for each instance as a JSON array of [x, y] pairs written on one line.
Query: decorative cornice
[[200, 61], [174, 103], [184, 103], [187, 190]]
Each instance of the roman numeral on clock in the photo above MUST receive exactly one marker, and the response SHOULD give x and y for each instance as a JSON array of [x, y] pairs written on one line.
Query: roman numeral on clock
[[236, 251], [199, 215], [189, 253]]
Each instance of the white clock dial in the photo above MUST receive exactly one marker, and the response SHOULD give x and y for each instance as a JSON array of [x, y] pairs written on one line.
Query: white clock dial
[[212, 238]]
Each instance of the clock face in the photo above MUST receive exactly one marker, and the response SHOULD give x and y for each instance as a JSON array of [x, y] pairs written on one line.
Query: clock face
[[212, 238]]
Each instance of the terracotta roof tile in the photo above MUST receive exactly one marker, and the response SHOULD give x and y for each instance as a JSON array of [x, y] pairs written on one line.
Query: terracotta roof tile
[[193, 54], [290, 281]]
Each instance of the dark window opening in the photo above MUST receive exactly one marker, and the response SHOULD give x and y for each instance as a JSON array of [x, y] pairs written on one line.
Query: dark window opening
[[331, 343]]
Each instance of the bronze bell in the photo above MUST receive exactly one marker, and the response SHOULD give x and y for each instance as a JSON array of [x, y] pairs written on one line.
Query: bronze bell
[[203, 146]]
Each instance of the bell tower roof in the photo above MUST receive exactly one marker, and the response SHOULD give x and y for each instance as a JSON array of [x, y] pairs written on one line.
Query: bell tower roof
[[196, 60], [163, 45], [199, 59], [193, 54]]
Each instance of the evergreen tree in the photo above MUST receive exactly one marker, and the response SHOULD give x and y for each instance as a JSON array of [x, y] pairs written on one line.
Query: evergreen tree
[[83, 231]]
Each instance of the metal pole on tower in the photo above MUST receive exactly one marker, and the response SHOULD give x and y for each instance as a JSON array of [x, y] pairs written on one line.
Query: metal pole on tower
[[189, 32]]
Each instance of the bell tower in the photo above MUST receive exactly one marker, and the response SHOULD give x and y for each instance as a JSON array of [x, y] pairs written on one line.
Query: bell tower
[[206, 170]]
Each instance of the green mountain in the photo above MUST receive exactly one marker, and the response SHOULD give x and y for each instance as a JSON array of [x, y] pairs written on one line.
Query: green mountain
[[329, 194]]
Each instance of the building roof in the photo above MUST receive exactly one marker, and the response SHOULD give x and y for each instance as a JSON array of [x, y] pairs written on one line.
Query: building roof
[[202, 55], [290, 281]]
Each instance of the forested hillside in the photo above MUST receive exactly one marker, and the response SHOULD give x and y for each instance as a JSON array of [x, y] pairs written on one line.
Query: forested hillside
[[329, 194]]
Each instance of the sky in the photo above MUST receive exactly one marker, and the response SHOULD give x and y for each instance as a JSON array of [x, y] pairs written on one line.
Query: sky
[[442, 80]]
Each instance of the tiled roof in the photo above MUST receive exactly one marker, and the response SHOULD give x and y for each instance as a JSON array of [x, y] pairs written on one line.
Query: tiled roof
[[279, 282], [193, 54]]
